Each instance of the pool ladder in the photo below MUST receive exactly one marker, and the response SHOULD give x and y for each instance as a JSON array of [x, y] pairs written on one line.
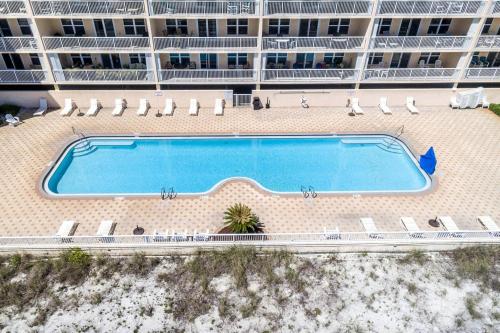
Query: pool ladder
[[397, 134], [83, 147], [308, 191], [170, 195]]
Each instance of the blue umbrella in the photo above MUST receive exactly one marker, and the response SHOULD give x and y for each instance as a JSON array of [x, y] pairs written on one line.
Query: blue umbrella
[[428, 161]]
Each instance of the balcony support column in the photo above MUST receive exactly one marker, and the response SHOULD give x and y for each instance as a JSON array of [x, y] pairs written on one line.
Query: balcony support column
[[465, 59], [257, 63], [150, 61], [371, 31]]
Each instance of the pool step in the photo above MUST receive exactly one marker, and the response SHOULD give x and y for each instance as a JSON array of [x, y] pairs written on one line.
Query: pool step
[[83, 148], [391, 146]]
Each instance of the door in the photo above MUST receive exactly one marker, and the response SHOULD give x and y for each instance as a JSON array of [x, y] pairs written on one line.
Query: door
[[12, 61], [208, 60], [409, 27], [5, 29], [400, 60], [104, 28], [207, 28], [304, 60], [111, 61], [308, 28]]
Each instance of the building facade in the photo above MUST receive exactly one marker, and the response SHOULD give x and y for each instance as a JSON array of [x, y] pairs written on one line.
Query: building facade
[[260, 43]]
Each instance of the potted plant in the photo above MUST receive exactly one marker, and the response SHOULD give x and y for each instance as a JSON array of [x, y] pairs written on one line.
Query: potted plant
[[240, 219]]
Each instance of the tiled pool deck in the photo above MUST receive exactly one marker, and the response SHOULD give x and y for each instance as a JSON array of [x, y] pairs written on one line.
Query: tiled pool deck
[[467, 145]]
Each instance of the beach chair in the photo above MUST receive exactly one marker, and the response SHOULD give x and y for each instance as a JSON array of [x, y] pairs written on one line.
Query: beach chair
[[193, 107], [120, 105], [143, 107], [383, 106], [484, 102], [332, 234], [412, 228], [201, 237], [356, 109], [450, 226], [490, 225], [66, 229], [169, 107], [370, 227], [219, 107], [95, 106], [69, 107], [454, 104], [11, 120], [106, 229], [410, 105], [42, 108]]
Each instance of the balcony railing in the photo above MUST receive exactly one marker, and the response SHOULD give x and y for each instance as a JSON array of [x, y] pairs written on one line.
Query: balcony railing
[[488, 42], [322, 75], [325, 7], [403, 74], [206, 7], [420, 42], [305, 43], [208, 75], [495, 9], [104, 75], [87, 7], [17, 44], [237, 43], [429, 7], [96, 43], [486, 73], [22, 76], [12, 7]]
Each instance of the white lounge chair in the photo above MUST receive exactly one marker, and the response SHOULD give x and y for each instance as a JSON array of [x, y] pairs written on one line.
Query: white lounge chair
[[484, 101], [490, 225], [95, 106], [454, 102], [67, 228], [450, 225], [219, 107], [69, 107], [193, 107], [169, 107], [412, 228], [11, 120], [410, 105], [106, 228], [370, 227], [143, 107], [120, 105], [383, 106], [332, 233], [42, 108], [355, 106]]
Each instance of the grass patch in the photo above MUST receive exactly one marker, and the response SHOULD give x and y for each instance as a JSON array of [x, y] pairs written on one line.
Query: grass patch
[[495, 108], [9, 108], [478, 263], [471, 304], [415, 257]]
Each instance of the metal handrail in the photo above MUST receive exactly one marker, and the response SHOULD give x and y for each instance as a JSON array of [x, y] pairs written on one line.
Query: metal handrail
[[22, 76], [491, 73], [206, 7], [18, 44], [488, 42], [12, 7], [241, 43], [309, 74], [103, 75], [80, 7], [207, 75], [81, 43], [331, 43], [419, 42], [395, 74], [430, 7], [325, 7]]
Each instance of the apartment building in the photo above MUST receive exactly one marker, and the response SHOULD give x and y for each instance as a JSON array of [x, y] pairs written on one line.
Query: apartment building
[[253, 43]]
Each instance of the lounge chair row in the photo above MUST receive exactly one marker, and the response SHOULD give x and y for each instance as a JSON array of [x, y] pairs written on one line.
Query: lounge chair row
[[383, 106], [68, 228]]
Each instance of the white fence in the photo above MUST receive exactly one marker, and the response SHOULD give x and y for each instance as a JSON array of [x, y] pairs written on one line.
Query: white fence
[[242, 100], [309, 74], [419, 42], [208, 75], [103, 75], [22, 76], [395, 74], [223, 43], [97, 43], [429, 7], [488, 42], [87, 7], [206, 7], [325, 7], [485, 73], [12, 7], [17, 44], [321, 43]]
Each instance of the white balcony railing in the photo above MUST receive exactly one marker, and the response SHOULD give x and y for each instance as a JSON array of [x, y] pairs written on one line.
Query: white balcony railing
[[485, 73], [429, 7], [488, 42], [17, 44], [104, 75], [208, 75], [495, 9], [87, 7], [420, 42], [313, 43], [224, 43], [324, 7], [322, 75], [205, 7], [96, 43], [403, 74], [12, 7], [22, 76]]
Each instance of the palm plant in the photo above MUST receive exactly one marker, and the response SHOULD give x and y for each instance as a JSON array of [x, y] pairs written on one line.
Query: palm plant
[[240, 219]]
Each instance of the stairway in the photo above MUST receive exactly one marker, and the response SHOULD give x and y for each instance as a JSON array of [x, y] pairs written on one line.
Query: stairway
[[391, 145], [83, 148]]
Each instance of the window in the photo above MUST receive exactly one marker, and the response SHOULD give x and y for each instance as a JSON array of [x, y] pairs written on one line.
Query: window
[[5, 29], [375, 58], [135, 27], [279, 26], [80, 60], [277, 58], [208, 60], [24, 26], [137, 58], [180, 59], [35, 60], [73, 27], [385, 26], [400, 60], [104, 27], [439, 26], [429, 58], [177, 27], [487, 25], [237, 27], [338, 26], [207, 28], [12, 61], [333, 58], [237, 59]]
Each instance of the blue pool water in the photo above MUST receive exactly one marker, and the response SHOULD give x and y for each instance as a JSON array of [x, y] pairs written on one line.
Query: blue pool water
[[143, 166]]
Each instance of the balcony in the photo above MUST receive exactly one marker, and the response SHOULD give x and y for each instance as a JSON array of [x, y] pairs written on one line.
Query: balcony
[[429, 7], [309, 75], [208, 75], [483, 74], [420, 42], [87, 7], [495, 8], [96, 43], [205, 43], [488, 42], [203, 8], [315, 8], [17, 44], [312, 43], [12, 7], [132, 76], [410, 74], [22, 76]]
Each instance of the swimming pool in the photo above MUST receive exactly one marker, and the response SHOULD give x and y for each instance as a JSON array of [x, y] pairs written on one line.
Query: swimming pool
[[142, 166]]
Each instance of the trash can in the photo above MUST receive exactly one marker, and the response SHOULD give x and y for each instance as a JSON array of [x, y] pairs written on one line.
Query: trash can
[[257, 104]]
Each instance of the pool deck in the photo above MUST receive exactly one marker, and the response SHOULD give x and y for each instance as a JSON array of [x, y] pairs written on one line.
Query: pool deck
[[467, 145]]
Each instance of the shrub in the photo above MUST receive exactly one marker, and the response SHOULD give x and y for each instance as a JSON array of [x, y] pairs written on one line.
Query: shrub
[[415, 257], [478, 263], [9, 108], [241, 220], [73, 265], [495, 108]]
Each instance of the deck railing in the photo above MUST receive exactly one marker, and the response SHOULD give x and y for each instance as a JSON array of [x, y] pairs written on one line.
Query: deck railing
[[322, 43], [206, 7], [97, 43], [22, 76], [15, 44], [87, 7], [12, 7], [325, 7], [224, 43], [430, 7], [420, 42], [402, 74], [485, 73], [495, 9], [488, 42], [309, 74], [208, 75], [104, 75]]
